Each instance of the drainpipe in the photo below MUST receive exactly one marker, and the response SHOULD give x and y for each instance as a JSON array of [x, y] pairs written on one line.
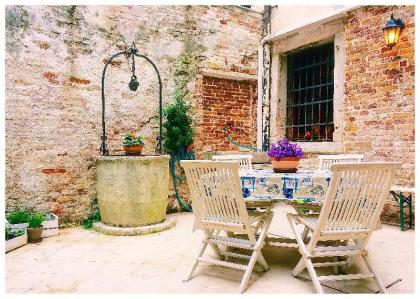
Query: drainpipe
[[260, 95], [266, 31]]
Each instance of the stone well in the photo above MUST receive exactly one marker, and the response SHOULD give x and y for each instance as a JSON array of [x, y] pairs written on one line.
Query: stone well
[[132, 191]]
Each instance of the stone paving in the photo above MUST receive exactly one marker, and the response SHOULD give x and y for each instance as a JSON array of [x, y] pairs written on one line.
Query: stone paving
[[84, 261]]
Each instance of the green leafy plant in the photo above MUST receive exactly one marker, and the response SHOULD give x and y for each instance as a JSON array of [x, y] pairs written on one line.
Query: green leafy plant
[[92, 218], [178, 120], [13, 233], [131, 139], [18, 217], [35, 220], [178, 126]]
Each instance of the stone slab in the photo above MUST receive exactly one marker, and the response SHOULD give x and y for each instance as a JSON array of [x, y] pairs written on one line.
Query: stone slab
[[133, 231]]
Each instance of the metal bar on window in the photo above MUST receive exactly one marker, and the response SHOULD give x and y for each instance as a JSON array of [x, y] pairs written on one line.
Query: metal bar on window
[[319, 105], [309, 66], [306, 104], [326, 95]]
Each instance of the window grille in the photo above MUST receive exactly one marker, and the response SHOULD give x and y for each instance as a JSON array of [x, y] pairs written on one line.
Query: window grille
[[310, 92]]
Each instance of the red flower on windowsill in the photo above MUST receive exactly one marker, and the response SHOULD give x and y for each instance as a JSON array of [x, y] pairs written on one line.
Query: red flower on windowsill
[[308, 135]]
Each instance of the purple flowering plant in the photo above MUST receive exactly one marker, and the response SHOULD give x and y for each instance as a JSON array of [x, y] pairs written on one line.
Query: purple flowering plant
[[283, 148]]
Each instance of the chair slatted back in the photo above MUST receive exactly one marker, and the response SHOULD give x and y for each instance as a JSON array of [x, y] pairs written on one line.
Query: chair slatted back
[[245, 161], [356, 197], [325, 161], [216, 194]]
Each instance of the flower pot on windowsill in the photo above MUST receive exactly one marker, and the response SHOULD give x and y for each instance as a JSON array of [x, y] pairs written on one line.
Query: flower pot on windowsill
[[133, 149], [286, 164]]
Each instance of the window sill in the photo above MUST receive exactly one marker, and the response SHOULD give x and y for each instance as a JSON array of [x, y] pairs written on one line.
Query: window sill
[[322, 147]]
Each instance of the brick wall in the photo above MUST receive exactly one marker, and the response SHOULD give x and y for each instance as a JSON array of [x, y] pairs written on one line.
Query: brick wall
[[54, 60], [379, 91], [227, 104]]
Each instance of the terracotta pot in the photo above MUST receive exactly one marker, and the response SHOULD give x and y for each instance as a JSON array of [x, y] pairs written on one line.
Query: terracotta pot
[[34, 234], [133, 149], [286, 164]]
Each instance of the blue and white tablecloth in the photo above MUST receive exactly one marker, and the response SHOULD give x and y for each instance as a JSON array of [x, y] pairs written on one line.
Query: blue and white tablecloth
[[303, 186]]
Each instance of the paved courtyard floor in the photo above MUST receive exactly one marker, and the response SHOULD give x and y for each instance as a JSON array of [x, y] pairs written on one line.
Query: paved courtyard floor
[[83, 261]]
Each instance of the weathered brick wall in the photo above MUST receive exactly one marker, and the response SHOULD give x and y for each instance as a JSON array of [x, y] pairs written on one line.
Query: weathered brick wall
[[54, 61], [227, 104], [379, 91]]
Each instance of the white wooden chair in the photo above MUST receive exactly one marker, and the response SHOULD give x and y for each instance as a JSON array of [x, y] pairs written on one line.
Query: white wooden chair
[[245, 161], [325, 161], [220, 207], [354, 202]]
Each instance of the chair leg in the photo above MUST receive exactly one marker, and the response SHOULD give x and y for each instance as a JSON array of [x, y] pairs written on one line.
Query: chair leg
[[194, 265], [335, 268], [336, 259], [313, 275], [305, 234], [256, 254], [261, 260], [215, 248], [228, 248], [299, 267], [248, 271], [381, 287], [261, 238]]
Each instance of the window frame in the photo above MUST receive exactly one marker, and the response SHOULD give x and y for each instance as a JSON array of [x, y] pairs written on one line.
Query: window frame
[[304, 92], [333, 31]]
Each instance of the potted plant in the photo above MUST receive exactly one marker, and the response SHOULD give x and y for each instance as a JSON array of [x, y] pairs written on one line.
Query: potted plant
[[35, 227], [133, 143], [178, 127], [285, 156], [15, 238], [18, 219]]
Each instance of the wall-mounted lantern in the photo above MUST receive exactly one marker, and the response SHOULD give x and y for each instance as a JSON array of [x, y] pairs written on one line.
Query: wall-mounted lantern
[[392, 31]]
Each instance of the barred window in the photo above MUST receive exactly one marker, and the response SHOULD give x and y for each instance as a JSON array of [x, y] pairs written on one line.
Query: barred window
[[310, 91]]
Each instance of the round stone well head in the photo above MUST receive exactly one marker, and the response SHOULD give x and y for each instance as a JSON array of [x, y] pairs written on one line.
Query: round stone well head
[[132, 190]]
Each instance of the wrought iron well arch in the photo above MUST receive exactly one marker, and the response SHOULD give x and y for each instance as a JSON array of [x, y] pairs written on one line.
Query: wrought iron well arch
[[132, 51]]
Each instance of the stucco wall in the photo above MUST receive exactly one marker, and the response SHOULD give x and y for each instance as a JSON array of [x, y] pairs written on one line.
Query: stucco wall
[[54, 61], [289, 16]]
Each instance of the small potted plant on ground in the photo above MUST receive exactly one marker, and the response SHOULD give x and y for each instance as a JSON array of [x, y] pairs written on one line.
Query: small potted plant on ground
[[18, 219], [133, 143], [35, 227], [285, 156]]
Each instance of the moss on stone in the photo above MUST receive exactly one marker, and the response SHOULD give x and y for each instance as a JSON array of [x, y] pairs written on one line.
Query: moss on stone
[[17, 21], [17, 18]]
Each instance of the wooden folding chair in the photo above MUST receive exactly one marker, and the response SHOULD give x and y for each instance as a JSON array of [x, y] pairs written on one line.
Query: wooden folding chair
[[245, 161], [325, 161], [351, 211], [219, 206]]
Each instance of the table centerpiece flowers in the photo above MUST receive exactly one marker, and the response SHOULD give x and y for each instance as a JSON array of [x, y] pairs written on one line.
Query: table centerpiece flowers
[[285, 156]]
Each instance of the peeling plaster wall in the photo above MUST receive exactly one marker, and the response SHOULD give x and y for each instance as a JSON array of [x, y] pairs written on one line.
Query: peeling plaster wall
[[54, 61]]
